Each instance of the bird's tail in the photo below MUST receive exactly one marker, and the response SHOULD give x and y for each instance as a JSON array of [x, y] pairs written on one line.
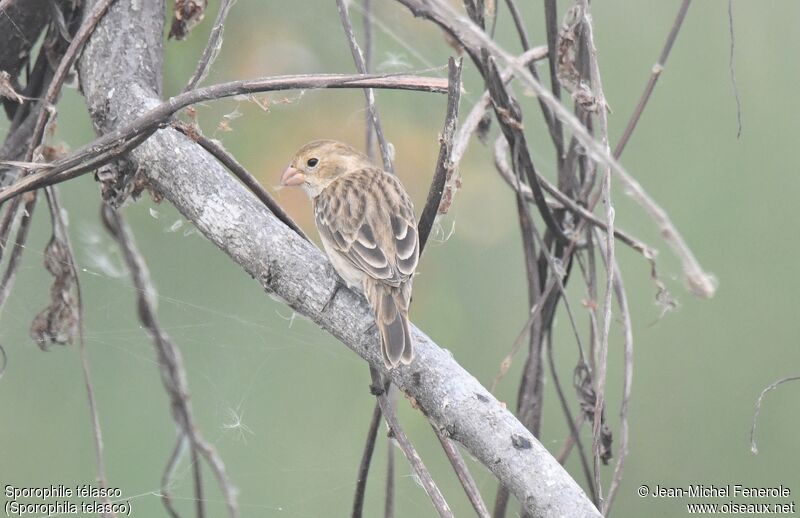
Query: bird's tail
[[390, 305]]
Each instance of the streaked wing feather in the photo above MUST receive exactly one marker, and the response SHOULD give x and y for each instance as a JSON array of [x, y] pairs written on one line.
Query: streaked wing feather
[[351, 226]]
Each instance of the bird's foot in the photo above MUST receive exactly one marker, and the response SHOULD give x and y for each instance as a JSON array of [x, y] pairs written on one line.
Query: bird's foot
[[338, 286], [376, 390], [380, 384]]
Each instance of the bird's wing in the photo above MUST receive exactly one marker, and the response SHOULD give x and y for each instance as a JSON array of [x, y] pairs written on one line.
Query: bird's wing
[[368, 218]]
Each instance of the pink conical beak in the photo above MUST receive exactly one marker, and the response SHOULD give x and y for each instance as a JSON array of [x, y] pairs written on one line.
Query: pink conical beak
[[292, 177]]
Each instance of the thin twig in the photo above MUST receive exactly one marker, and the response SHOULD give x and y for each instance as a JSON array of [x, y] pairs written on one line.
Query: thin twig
[[366, 14], [437, 203], [361, 66], [551, 27], [54, 88], [534, 314], [531, 388], [97, 433], [169, 358], [627, 382], [571, 422], [602, 358], [589, 272], [7, 282], [556, 134], [592, 291], [734, 84], [529, 404], [651, 83], [366, 459], [212, 47], [238, 170], [559, 273], [169, 473], [173, 372], [45, 110], [61, 235], [470, 124], [462, 472], [106, 148], [391, 469], [476, 10], [214, 461], [500, 149], [20, 23], [197, 478], [509, 116], [408, 449], [770, 387], [571, 440], [532, 325], [579, 210], [15, 145], [500, 502], [699, 282]]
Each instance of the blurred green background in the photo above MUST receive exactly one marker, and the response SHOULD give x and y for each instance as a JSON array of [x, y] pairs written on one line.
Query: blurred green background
[[287, 406]]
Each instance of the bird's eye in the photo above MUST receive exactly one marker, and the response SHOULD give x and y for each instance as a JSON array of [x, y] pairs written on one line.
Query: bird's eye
[[312, 162]]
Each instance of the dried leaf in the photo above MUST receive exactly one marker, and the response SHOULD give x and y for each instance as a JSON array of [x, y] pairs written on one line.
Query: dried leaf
[[118, 182], [187, 14], [484, 125], [28, 166], [7, 90], [587, 398], [54, 153], [509, 118], [451, 187], [583, 96], [491, 9], [58, 322], [567, 50], [453, 43], [191, 114], [261, 103], [476, 10]]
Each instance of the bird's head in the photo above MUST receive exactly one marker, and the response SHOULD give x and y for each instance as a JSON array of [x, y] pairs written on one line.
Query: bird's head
[[320, 162]]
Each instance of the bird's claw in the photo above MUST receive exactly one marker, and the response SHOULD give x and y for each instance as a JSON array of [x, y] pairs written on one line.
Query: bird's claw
[[338, 286]]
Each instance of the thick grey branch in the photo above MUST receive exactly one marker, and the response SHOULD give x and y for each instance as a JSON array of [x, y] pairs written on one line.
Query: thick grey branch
[[293, 270]]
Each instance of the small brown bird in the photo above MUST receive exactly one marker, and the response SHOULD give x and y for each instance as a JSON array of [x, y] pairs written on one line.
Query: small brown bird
[[368, 229]]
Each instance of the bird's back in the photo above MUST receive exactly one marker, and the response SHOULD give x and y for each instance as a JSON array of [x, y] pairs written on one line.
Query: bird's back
[[367, 216]]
